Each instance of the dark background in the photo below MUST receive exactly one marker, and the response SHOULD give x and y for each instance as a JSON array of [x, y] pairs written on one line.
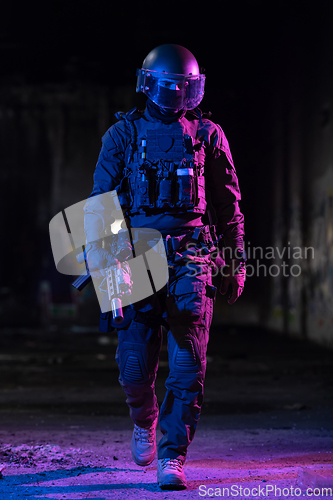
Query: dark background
[[73, 55], [66, 68]]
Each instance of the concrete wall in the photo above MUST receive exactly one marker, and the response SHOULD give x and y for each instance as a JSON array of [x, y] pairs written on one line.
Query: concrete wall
[[50, 140], [303, 163]]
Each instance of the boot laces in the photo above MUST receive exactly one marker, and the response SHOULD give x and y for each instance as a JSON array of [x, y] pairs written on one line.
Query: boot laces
[[172, 463], [144, 435]]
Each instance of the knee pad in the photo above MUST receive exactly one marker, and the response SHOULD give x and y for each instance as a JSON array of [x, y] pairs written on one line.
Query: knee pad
[[184, 355], [131, 365], [138, 361], [133, 371]]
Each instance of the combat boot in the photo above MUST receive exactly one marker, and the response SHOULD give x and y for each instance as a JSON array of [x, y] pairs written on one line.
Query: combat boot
[[170, 474], [143, 444]]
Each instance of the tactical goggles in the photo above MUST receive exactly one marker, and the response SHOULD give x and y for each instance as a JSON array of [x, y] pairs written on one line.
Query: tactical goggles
[[171, 91]]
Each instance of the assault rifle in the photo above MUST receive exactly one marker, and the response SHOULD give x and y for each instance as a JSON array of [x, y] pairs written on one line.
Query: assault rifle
[[117, 276]]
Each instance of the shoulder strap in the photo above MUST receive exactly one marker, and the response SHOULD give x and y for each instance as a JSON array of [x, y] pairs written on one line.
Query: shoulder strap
[[129, 118], [131, 115]]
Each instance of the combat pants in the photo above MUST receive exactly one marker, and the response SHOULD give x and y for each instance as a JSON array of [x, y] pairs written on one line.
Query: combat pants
[[187, 307]]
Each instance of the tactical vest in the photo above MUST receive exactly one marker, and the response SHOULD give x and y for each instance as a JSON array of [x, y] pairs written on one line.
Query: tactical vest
[[164, 170]]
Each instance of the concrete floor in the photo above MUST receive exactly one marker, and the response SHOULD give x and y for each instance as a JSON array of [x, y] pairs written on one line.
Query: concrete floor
[[266, 426]]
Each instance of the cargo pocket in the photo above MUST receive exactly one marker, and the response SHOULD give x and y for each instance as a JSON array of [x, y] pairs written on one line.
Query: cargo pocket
[[185, 305]]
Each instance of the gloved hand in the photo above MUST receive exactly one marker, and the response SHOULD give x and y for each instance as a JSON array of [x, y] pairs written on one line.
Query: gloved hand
[[98, 259], [233, 275]]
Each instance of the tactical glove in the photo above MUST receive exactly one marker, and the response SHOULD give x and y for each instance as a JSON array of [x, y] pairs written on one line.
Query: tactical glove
[[233, 277], [98, 259]]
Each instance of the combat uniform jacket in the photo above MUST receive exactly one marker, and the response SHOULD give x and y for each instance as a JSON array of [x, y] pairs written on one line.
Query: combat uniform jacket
[[120, 153]]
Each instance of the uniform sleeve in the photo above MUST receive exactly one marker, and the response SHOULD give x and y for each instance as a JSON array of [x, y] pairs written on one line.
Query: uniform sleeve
[[222, 183], [110, 162], [107, 176]]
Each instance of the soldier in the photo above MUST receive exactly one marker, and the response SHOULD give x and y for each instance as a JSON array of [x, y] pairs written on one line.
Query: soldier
[[162, 162]]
